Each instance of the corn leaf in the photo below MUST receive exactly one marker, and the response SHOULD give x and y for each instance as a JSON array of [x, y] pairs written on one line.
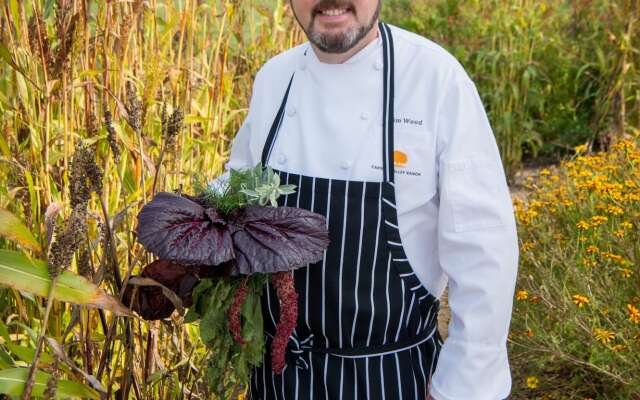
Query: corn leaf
[[13, 229], [31, 276], [5, 359], [26, 354], [12, 383]]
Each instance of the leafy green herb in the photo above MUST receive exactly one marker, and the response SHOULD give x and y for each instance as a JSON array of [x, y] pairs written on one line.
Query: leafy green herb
[[251, 186]]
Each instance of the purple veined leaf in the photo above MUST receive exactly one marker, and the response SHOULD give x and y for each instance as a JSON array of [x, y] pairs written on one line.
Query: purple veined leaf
[[178, 229], [151, 300], [274, 239]]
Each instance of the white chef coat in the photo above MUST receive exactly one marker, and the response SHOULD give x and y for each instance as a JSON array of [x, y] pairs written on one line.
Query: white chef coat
[[455, 213]]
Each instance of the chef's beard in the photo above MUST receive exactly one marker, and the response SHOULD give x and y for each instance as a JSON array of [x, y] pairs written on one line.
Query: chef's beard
[[343, 41]]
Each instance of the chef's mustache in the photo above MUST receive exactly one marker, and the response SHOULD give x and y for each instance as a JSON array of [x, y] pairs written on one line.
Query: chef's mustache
[[327, 4]]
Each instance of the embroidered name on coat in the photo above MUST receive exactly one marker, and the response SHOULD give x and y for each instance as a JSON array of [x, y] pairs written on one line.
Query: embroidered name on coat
[[408, 121]]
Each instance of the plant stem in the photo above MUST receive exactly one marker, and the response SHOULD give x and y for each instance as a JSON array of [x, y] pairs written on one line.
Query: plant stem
[[28, 386]]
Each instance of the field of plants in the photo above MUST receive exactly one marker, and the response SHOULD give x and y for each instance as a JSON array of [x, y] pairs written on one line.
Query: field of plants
[[105, 103]]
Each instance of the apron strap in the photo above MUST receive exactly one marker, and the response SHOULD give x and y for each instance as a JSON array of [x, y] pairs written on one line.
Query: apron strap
[[275, 126], [387, 105], [387, 109]]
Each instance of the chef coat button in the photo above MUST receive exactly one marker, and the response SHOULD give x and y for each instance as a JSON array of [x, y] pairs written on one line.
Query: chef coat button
[[364, 116], [378, 65], [291, 111], [282, 159], [345, 164]]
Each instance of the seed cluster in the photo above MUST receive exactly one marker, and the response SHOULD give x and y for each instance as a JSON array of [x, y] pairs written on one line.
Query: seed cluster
[[239, 296], [86, 177], [284, 284], [111, 135]]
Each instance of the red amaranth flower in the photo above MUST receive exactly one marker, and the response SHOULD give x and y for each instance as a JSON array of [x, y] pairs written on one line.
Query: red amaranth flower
[[234, 311], [284, 284]]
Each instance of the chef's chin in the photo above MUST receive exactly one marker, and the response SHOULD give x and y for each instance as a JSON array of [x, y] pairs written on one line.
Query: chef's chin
[[339, 42]]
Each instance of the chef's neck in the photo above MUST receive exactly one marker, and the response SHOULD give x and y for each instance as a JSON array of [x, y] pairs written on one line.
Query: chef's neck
[[339, 58]]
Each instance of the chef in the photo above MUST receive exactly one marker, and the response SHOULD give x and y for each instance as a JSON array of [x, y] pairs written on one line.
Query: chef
[[383, 132]]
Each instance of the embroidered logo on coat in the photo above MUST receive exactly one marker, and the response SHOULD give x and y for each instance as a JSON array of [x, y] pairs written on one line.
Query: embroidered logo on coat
[[400, 159]]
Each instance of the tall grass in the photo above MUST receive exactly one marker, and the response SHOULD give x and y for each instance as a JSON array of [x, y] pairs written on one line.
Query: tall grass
[[110, 74]]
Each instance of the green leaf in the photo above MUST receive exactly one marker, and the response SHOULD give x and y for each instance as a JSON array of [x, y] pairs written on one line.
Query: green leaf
[[31, 276], [5, 359], [12, 383], [5, 54], [48, 8], [13, 229], [26, 354], [4, 332]]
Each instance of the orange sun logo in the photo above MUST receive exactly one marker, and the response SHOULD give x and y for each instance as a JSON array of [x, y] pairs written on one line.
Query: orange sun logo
[[400, 159]]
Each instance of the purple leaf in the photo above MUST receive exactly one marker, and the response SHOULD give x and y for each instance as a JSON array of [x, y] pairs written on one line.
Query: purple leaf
[[150, 301], [269, 239], [178, 229]]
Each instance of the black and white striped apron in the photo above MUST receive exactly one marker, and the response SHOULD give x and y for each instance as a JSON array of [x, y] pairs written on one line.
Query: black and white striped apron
[[367, 327]]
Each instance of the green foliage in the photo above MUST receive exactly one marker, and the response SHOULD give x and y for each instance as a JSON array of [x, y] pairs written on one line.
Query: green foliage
[[576, 317], [12, 381], [257, 185], [229, 363], [552, 74], [261, 186]]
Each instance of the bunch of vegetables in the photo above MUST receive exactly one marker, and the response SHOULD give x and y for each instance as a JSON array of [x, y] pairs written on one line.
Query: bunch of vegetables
[[217, 251]]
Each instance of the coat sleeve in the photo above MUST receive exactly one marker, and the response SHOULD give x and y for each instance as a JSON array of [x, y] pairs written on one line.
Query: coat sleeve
[[478, 249]]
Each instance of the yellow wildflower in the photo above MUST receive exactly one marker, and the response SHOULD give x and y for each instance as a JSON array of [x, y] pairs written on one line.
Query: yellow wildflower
[[626, 225], [624, 145], [593, 249], [597, 220], [522, 295], [583, 225], [528, 332], [603, 336], [615, 210], [545, 172], [618, 347], [580, 149], [532, 382], [618, 233], [580, 300], [630, 197], [626, 272], [526, 246], [634, 314]]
